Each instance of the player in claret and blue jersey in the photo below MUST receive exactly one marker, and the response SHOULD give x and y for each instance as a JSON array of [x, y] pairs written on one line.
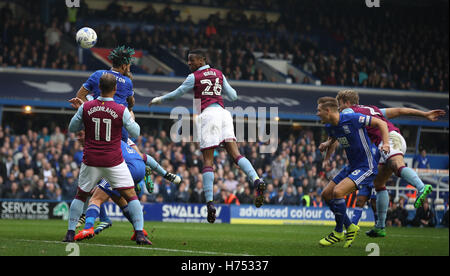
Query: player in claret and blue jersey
[[216, 123], [363, 156]]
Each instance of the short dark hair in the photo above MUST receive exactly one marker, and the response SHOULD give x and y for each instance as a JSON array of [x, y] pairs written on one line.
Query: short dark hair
[[198, 52], [107, 83]]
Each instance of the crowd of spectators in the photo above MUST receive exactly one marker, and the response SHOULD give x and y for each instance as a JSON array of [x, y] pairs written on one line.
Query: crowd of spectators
[[45, 164], [401, 47], [31, 43]]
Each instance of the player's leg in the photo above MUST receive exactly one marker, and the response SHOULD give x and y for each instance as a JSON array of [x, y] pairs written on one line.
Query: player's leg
[[136, 215], [382, 201], [75, 211], [121, 180], [347, 186], [101, 195], [248, 169], [339, 208], [156, 167], [208, 182], [327, 193], [88, 178], [361, 200], [397, 164], [342, 189], [92, 213], [93, 210]]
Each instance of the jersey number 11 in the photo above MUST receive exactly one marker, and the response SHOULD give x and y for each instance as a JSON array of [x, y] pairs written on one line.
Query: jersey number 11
[[108, 124]]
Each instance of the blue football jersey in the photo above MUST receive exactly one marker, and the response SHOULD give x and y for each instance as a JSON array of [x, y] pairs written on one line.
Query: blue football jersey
[[124, 90], [134, 162], [129, 154], [124, 86], [352, 135]]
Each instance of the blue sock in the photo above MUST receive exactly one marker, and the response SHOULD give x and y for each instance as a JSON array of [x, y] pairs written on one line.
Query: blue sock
[[92, 213], [382, 208], [332, 207], [155, 166], [208, 183], [75, 212], [103, 216], [136, 214], [340, 213], [126, 213], [412, 178], [357, 212], [247, 167]]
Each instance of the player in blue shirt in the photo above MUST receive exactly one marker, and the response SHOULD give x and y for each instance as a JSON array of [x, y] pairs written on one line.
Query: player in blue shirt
[[363, 157], [121, 58]]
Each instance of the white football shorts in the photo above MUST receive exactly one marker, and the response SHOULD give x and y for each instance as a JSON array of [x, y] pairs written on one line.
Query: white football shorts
[[214, 127], [119, 177], [397, 144]]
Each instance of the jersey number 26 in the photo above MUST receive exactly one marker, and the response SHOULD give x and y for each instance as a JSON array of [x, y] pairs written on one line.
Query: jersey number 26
[[217, 88]]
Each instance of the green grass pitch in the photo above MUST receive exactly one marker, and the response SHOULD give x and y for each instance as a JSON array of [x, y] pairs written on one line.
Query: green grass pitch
[[43, 238]]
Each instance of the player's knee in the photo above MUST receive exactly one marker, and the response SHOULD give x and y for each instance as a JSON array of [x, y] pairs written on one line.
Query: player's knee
[[82, 195], [326, 195], [360, 202], [129, 195], [338, 193], [396, 164]]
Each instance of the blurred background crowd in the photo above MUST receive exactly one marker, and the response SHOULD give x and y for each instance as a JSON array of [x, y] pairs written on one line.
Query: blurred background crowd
[[45, 164], [317, 37]]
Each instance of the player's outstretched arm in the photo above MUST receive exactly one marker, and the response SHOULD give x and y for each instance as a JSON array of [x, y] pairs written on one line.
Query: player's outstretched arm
[[82, 93], [76, 102], [76, 123], [131, 102], [382, 126], [185, 87], [130, 125], [431, 115], [329, 147], [229, 91]]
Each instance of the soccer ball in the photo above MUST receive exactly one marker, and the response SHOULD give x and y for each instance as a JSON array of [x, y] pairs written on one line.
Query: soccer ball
[[86, 37]]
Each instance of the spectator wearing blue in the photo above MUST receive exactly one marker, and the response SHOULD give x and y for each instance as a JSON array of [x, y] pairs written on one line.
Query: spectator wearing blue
[[298, 173], [422, 161]]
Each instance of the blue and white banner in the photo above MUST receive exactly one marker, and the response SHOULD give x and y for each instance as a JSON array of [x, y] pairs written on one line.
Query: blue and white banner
[[267, 214], [173, 212]]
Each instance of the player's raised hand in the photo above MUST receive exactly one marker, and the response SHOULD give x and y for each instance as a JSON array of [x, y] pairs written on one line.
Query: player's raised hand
[[385, 148], [75, 102], [156, 100], [433, 115]]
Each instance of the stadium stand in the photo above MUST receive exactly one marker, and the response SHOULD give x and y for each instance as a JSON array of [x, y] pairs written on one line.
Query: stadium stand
[[362, 56], [53, 159]]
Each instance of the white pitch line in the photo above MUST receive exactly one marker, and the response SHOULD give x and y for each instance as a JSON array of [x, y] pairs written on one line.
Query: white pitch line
[[141, 247]]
